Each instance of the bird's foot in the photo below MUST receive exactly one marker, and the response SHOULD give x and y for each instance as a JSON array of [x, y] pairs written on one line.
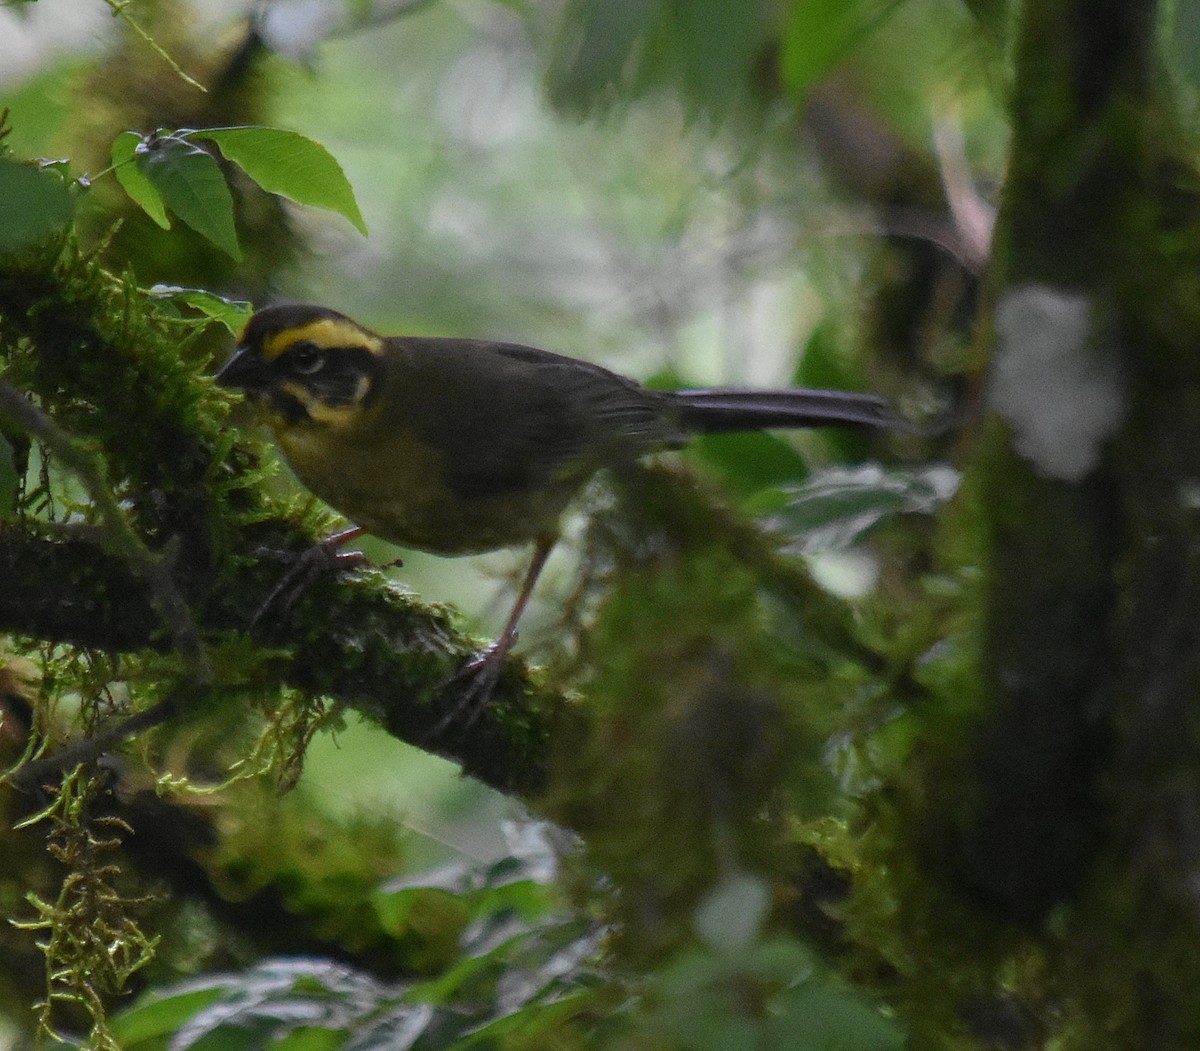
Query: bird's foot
[[304, 569], [469, 689]]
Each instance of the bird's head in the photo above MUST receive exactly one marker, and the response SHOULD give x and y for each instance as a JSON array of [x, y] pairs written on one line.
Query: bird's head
[[305, 365]]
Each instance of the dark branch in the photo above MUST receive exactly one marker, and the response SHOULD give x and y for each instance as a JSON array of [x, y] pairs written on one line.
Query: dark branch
[[354, 639]]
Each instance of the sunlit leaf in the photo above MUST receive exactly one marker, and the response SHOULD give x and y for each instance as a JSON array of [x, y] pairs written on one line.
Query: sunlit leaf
[[191, 185], [289, 164], [133, 181]]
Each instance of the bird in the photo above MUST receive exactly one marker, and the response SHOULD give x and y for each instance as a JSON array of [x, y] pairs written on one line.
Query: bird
[[462, 446]]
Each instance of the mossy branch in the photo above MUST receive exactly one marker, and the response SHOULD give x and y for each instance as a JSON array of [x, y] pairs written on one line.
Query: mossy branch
[[116, 533], [354, 639]]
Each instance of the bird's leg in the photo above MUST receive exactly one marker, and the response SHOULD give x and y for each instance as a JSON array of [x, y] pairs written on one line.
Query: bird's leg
[[298, 575], [476, 679]]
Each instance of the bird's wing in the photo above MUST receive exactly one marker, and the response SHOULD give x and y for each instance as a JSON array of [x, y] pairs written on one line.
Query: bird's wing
[[509, 417]]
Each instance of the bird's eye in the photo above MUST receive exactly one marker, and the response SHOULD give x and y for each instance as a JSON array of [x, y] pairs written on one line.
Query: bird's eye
[[306, 358]]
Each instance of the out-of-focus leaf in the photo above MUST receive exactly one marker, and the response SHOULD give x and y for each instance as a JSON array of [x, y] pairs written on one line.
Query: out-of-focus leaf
[[277, 998], [820, 33], [232, 313], [594, 49], [289, 164], [825, 362], [190, 183], [311, 1038], [133, 182], [746, 463], [441, 914], [833, 509], [526, 1024], [527, 898], [399, 1028], [716, 42], [34, 204], [40, 104], [160, 1014], [818, 1015]]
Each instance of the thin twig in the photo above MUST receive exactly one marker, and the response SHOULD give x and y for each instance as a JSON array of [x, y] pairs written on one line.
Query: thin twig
[[118, 9], [51, 767]]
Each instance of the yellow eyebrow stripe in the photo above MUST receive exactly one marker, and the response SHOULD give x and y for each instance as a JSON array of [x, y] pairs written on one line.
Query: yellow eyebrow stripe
[[324, 333]]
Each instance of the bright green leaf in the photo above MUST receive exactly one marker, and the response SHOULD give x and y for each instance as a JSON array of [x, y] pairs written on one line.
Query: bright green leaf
[[290, 165], [162, 1015], [232, 313], [438, 910], [133, 182], [33, 204], [820, 33], [192, 186], [311, 1038]]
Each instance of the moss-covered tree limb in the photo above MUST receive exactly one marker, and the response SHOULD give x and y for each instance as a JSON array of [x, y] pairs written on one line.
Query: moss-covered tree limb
[[354, 639], [113, 375]]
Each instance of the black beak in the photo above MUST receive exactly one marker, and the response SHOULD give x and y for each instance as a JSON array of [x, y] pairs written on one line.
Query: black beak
[[245, 369]]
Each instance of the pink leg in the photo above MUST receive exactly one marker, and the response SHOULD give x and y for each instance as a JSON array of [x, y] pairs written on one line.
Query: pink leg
[[477, 678]]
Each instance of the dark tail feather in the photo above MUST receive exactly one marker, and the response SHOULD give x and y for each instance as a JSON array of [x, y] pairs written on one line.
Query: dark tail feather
[[715, 411]]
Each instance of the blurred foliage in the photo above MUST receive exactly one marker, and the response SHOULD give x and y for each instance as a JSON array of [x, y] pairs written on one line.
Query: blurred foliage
[[868, 811]]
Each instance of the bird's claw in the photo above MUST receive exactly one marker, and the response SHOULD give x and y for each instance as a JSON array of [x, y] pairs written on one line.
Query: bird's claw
[[305, 567], [469, 690]]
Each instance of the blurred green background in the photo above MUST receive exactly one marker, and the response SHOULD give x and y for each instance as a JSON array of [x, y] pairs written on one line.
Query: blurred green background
[[694, 232]]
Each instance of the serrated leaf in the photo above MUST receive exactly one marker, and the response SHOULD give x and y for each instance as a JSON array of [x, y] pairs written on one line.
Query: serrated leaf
[[33, 204], [232, 313], [291, 165], [190, 182], [133, 182]]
